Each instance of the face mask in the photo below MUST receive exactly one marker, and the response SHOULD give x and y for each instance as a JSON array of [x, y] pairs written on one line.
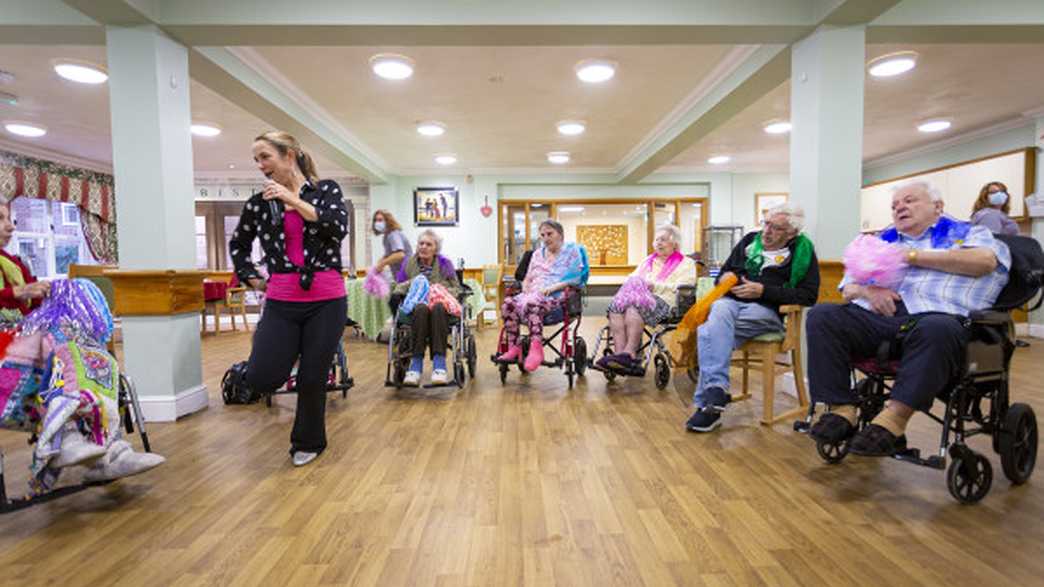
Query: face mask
[[998, 198], [379, 226]]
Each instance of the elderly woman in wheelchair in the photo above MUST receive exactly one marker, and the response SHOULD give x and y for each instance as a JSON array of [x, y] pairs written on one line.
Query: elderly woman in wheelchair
[[648, 298], [549, 294], [430, 304], [58, 382], [943, 332]]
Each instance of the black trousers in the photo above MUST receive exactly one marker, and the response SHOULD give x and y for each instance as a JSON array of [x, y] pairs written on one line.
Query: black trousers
[[932, 352], [309, 331], [430, 327]]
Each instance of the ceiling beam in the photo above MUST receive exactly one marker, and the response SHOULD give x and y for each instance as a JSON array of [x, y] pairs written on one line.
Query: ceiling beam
[[229, 77], [46, 22], [758, 74], [762, 72]]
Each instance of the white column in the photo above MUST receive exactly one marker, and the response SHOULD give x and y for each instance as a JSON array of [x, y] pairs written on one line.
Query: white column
[[1037, 224], [152, 164], [826, 141]]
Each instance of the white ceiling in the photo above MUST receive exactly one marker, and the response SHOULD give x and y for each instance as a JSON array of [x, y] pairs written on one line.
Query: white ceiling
[[77, 115], [975, 86], [501, 103]]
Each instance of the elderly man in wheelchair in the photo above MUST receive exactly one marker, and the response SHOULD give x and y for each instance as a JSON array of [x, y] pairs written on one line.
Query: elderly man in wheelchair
[[940, 333], [431, 312]]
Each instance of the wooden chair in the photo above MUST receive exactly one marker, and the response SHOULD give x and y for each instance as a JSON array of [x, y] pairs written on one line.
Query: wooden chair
[[763, 350], [235, 302], [491, 275]]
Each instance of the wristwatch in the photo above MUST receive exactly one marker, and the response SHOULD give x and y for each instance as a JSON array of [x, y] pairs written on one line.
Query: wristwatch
[[911, 256]]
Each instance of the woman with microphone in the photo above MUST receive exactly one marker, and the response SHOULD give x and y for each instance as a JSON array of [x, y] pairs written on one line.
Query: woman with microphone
[[300, 221]]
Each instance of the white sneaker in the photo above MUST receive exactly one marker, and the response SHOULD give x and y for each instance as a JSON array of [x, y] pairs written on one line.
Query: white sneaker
[[439, 377], [412, 378], [302, 458]]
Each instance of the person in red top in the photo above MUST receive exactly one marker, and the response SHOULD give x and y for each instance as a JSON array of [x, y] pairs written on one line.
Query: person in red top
[[20, 292]]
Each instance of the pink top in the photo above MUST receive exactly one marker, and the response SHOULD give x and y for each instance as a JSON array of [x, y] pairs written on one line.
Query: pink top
[[286, 287]]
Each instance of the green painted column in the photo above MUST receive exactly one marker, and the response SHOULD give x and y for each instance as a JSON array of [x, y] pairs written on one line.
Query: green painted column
[[826, 141], [152, 165]]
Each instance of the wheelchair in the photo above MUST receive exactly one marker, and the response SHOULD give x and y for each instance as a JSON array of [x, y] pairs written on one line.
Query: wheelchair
[[652, 348], [461, 345], [131, 416], [338, 379], [976, 401], [571, 350]]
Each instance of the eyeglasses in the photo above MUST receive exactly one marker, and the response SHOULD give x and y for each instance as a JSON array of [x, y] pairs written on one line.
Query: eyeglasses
[[768, 226]]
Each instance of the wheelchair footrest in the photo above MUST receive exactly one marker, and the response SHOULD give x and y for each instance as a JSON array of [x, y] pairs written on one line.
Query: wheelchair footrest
[[913, 455], [802, 426]]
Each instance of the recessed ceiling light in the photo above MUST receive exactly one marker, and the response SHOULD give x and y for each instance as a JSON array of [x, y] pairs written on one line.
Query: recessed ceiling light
[[572, 127], [231, 165], [25, 129], [719, 160], [446, 159], [431, 128], [392, 66], [934, 126], [595, 71], [80, 72], [893, 64], [570, 208], [558, 157], [777, 127], [205, 129]]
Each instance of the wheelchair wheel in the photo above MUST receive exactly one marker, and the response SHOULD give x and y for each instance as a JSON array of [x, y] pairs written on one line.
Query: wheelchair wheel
[[471, 355], [969, 477], [663, 371], [503, 372], [458, 374], [832, 453], [580, 355], [398, 373], [610, 376], [524, 342], [1018, 443]]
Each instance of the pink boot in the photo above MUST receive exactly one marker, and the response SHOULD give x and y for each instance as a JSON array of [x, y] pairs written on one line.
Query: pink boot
[[511, 355], [535, 356]]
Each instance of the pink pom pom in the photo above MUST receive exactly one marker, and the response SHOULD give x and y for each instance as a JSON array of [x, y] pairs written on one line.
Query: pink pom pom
[[871, 261], [634, 292], [375, 284]]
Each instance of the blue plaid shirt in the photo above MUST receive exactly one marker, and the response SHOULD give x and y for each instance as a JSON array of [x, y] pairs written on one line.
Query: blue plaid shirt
[[931, 290]]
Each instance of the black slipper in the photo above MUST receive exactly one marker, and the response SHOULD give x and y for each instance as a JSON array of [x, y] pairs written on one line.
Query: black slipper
[[876, 441], [832, 429]]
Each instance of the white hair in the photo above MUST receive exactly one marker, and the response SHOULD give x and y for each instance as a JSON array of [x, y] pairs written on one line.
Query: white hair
[[795, 214], [673, 233], [932, 191], [434, 236]]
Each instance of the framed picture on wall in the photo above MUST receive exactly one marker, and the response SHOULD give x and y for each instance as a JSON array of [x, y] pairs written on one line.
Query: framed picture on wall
[[765, 202], [436, 206]]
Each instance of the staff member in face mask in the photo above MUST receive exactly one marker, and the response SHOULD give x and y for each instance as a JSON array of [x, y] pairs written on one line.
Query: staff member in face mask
[[992, 207], [396, 248]]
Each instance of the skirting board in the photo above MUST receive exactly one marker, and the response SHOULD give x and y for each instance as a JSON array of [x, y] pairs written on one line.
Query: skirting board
[[1036, 330], [168, 408]]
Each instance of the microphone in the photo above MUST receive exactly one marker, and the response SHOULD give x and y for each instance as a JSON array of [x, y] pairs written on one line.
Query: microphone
[[273, 210]]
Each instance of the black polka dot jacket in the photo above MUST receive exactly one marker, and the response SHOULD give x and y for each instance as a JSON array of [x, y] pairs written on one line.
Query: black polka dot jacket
[[322, 238]]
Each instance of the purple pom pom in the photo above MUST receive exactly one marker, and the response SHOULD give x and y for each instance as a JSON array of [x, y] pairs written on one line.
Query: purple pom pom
[[375, 284], [871, 261]]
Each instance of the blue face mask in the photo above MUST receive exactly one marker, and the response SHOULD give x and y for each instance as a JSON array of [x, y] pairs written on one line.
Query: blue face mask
[[998, 198]]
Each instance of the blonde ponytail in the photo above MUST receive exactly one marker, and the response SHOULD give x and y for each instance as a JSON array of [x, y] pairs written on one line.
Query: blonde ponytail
[[284, 143]]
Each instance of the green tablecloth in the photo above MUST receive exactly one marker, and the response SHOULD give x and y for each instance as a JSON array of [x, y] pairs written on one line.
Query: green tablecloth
[[371, 313], [703, 286]]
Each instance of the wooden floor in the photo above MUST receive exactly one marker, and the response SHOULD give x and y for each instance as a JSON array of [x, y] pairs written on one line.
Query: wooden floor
[[526, 483]]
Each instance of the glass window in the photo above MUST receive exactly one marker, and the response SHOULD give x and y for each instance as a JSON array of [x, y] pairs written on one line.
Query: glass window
[[538, 212], [691, 226], [256, 254], [201, 242], [48, 236], [514, 218], [614, 234]]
